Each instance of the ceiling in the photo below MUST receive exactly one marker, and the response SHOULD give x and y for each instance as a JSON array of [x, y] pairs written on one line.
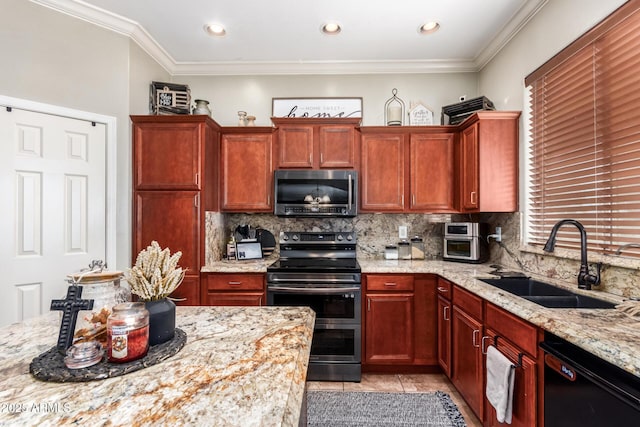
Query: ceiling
[[284, 37]]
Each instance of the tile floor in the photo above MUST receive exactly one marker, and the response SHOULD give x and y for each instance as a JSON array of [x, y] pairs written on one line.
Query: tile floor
[[402, 383]]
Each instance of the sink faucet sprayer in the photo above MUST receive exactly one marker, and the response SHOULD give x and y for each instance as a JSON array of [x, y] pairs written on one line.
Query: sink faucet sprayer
[[585, 279]]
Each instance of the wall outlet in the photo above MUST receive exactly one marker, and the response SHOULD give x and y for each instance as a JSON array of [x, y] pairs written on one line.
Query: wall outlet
[[403, 232]]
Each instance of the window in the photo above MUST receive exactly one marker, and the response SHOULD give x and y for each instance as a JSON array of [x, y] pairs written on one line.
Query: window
[[585, 138]]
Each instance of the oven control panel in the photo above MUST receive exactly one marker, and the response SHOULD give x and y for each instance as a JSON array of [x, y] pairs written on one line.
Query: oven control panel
[[339, 237]]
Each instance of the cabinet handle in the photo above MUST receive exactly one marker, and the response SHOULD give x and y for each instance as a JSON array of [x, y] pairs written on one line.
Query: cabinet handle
[[310, 161], [390, 284], [197, 179], [413, 200], [476, 334], [260, 301], [368, 304], [443, 290], [196, 201], [484, 349], [474, 197], [321, 158], [234, 283], [445, 309], [402, 200]]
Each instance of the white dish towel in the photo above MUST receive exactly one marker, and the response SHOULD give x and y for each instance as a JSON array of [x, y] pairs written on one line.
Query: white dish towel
[[500, 379]]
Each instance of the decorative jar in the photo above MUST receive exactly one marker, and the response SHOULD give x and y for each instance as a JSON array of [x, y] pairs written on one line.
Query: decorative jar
[[202, 107], [127, 332], [103, 287], [162, 320]]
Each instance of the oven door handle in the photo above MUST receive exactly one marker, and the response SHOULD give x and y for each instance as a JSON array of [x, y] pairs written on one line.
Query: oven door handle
[[311, 290]]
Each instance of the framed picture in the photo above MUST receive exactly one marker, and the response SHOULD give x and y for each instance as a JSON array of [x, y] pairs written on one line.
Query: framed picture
[[169, 98], [317, 107], [419, 115]]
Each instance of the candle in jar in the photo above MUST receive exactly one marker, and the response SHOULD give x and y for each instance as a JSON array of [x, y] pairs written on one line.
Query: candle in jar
[[394, 115], [127, 332]]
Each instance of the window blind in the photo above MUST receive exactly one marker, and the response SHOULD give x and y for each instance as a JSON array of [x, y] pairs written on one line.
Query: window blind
[[585, 138]]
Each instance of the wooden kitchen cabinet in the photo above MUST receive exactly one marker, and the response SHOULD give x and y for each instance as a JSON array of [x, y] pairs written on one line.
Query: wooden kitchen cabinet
[[389, 319], [314, 143], [425, 320], [175, 180], [234, 289], [518, 341], [407, 170], [467, 359], [246, 169], [488, 162], [444, 313]]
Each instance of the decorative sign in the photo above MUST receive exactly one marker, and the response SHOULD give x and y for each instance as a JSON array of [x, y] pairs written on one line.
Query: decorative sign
[[169, 98], [419, 115], [317, 107]]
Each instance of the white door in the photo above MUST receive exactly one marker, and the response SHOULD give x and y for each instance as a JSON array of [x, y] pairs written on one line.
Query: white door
[[52, 204]]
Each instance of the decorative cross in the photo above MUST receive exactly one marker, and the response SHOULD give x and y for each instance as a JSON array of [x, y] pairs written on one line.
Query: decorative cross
[[70, 307]]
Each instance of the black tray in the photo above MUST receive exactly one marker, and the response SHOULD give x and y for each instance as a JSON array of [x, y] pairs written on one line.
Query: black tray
[[49, 366]]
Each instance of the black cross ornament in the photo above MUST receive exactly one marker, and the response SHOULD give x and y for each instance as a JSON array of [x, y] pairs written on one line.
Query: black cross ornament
[[70, 307]]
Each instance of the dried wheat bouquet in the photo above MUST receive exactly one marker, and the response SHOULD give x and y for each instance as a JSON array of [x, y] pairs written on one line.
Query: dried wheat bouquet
[[156, 273]]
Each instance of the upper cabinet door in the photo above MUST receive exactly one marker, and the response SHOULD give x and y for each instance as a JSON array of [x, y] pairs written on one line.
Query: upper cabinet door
[[247, 172], [295, 147], [167, 156], [337, 146], [382, 172], [469, 168], [432, 172]]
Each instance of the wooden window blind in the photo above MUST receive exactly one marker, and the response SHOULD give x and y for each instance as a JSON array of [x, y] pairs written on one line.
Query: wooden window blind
[[585, 138]]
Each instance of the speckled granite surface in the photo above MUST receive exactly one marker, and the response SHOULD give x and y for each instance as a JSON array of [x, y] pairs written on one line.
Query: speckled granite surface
[[241, 366], [609, 334]]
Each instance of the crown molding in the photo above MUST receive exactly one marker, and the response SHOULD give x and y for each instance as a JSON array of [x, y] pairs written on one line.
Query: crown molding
[[513, 27], [110, 21]]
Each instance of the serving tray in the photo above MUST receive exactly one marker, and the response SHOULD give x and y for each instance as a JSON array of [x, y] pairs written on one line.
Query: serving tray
[[49, 366]]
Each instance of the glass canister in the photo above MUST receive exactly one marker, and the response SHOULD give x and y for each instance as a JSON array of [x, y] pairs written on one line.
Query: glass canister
[[127, 332], [103, 287], [417, 248], [404, 250]]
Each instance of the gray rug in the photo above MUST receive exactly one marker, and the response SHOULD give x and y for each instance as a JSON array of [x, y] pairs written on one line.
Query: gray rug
[[342, 409]]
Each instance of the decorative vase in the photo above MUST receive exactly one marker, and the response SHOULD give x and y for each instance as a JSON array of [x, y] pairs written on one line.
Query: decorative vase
[[202, 107], [162, 320]]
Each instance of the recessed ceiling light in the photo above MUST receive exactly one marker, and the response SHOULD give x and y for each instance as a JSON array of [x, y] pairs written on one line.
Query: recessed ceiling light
[[331, 28], [215, 30], [429, 28]]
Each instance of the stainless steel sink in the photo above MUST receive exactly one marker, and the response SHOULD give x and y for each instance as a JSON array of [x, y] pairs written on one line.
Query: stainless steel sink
[[547, 295]]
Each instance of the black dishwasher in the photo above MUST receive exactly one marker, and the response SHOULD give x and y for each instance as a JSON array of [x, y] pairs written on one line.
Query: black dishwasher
[[583, 390]]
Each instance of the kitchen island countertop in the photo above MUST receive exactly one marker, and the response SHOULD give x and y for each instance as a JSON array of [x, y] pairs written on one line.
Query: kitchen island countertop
[[241, 366]]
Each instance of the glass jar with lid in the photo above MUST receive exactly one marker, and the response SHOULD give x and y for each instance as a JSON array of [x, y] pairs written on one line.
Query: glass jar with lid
[[404, 250], [103, 287], [417, 248], [127, 332]]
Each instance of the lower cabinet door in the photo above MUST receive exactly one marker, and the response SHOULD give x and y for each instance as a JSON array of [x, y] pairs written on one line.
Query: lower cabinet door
[[389, 328], [236, 298], [525, 398], [467, 363], [444, 335]]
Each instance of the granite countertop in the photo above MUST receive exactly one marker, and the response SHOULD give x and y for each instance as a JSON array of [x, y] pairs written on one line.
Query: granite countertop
[[241, 366], [609, 334]]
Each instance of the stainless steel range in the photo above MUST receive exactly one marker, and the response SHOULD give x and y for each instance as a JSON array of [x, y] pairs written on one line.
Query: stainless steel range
[[320, 270]]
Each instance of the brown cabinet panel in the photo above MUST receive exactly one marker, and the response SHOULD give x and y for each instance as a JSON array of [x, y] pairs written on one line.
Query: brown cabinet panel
[[521, 333], [389, 282], [389, 328], [167, 156], [425, 321], [172, 219], [382, 173], [236, 298], [337, 146], [444, 288], [525, 401], [469, 168], [444, 335], [432, 172], [229, 282], [188, 293], [295, 147], [247, 172], [467, 363], [472, 304]]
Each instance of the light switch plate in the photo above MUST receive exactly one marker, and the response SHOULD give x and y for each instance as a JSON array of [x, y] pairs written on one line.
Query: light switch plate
[[402, 232]]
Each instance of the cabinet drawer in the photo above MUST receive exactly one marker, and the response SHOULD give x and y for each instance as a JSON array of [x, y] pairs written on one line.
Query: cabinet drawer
[[444, 288], [516, 330], [226, 282], [389, 283], [468, 302]]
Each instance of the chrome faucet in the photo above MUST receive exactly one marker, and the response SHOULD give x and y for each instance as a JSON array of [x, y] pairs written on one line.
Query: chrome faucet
[[585, 279], [628, 245]]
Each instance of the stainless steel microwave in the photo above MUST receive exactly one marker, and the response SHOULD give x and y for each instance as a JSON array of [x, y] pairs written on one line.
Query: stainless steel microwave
[[466, 242], [315, 193]]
